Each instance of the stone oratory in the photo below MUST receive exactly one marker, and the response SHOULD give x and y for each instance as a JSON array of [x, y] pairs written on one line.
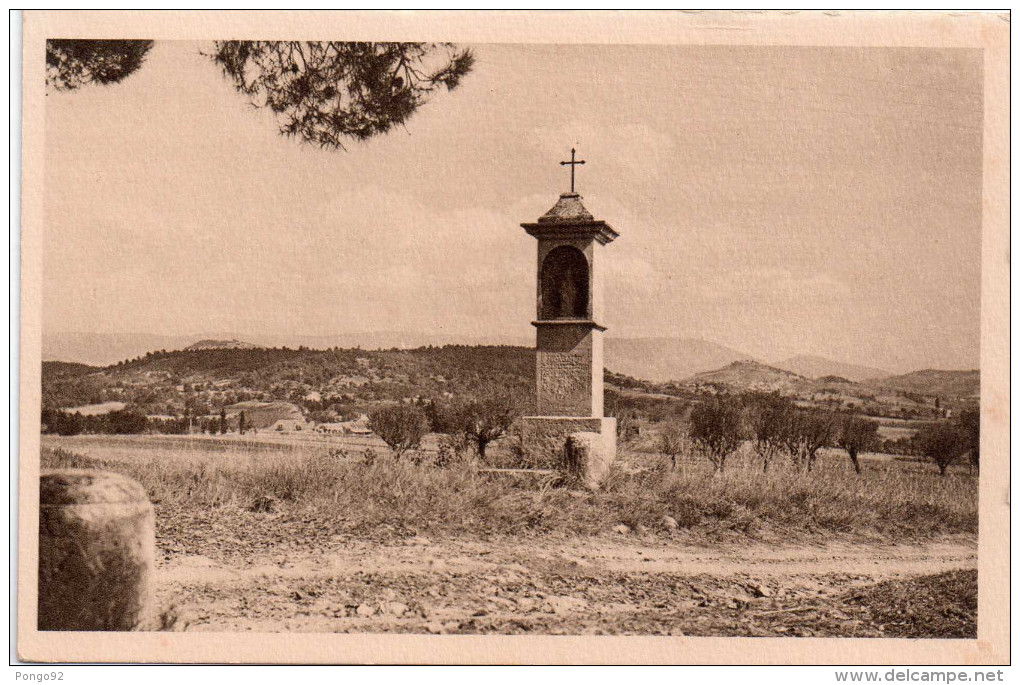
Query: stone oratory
[[569, 358]]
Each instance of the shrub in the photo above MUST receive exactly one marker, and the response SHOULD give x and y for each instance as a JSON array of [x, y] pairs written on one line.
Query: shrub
[[626, 419], [451, 449], [368, 457]]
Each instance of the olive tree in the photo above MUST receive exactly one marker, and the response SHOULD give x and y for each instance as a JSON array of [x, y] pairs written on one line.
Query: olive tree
[[970, 425], [807, 432], [769, 417], [715, 427], [480, 420], [488, 419], [942, 443], [856, 435], [401, 426]]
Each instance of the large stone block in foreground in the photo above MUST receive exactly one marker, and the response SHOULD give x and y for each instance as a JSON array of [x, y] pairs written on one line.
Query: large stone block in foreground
[[96, 551], [543, 437], [585, 460]]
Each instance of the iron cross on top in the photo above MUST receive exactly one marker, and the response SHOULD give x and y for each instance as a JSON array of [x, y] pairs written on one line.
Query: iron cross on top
[[573, 163]]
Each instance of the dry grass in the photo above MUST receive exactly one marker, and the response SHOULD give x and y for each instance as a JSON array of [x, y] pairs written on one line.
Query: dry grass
[[893, 500]]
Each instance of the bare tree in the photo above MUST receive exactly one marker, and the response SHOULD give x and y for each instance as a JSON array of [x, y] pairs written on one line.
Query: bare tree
[[674, 441], [856, 435], [716, 429]]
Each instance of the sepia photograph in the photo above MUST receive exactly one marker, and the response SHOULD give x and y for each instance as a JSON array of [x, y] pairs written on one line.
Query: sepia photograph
[[688, 327]]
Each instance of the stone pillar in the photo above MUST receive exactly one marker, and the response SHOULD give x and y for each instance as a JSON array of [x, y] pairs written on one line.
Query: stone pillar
[[567, 354], [96, 551], [568, 340]]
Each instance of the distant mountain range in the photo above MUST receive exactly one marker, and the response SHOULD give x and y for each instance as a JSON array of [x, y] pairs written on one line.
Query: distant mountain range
[[748, 374], [662, 360], [658, 360], [103, 349]]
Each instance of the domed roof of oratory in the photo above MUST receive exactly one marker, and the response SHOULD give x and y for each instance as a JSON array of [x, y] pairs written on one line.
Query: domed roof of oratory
[[567, 210], [569, 219]]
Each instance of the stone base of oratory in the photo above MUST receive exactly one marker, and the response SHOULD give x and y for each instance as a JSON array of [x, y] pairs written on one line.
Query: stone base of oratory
[[543, 437]]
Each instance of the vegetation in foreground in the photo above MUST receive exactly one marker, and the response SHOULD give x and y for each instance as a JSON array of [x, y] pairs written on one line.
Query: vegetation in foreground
[[268, 508], [379, 496]]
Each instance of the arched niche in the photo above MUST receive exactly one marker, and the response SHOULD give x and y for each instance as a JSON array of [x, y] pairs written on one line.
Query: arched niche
[[564, 284]]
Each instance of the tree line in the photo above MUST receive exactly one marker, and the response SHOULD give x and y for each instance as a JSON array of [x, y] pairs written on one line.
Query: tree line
[[777, 429], [128, 422], [465, 422]]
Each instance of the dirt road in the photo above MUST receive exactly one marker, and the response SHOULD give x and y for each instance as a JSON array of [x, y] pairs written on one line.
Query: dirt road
[[615, 584]]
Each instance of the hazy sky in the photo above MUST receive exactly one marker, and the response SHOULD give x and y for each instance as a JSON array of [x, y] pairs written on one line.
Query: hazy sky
[[776, 200]]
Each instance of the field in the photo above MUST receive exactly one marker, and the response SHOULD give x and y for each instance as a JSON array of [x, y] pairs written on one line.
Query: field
[[98, 409], [306, 534]]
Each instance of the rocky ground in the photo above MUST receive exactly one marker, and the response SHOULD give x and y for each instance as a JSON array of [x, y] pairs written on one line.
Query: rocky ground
[[618, 585], [283, 540]]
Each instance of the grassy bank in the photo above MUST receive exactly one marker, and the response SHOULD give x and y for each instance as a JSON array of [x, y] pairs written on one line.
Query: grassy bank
[[332, 495]]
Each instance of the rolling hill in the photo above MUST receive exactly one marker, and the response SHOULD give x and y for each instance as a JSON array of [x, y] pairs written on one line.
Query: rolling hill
[[812, 366], [103, 349], [933, 382], [165, 382], [661, 360], [748, 374], [221, 345], [52, 371]]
